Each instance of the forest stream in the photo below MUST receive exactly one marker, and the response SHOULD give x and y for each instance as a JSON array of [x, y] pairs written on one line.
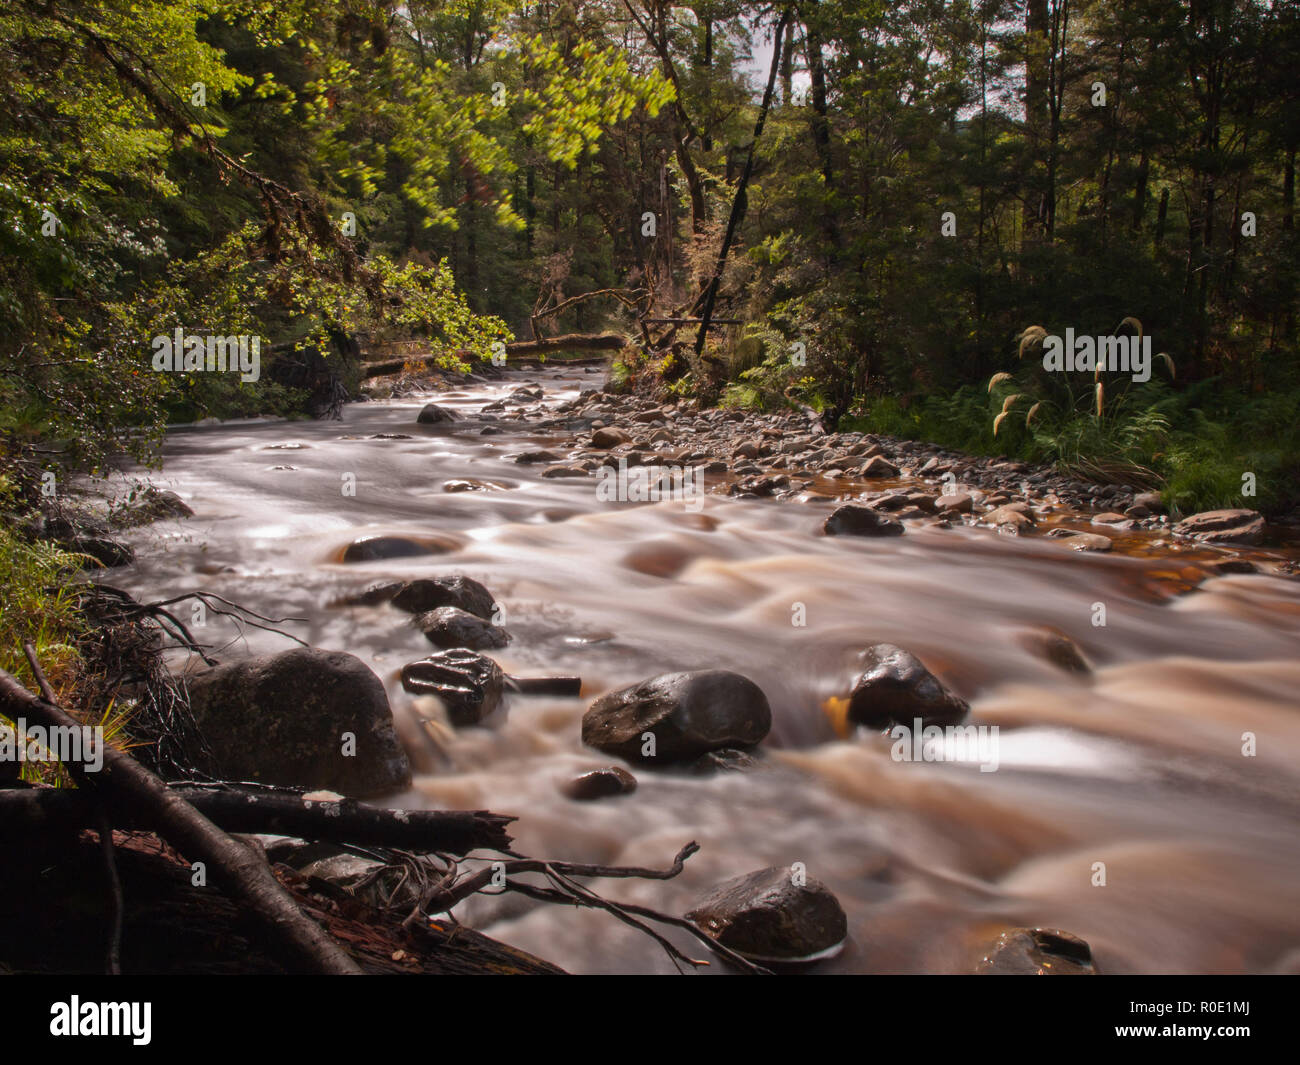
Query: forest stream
[[1138, 765]]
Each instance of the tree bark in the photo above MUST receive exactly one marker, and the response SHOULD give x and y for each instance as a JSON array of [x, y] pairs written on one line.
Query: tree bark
[[269, 812]]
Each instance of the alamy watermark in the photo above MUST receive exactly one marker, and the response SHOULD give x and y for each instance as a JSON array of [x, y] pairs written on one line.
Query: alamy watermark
[[83, 744], [192, 353], [1126, 354], [950, 743]]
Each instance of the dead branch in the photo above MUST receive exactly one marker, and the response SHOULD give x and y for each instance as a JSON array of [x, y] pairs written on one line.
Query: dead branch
[[275, 812], [124, 781], [566, 342]]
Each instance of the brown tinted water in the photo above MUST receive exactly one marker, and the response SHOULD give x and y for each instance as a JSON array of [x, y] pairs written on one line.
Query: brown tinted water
[[1138, 766]]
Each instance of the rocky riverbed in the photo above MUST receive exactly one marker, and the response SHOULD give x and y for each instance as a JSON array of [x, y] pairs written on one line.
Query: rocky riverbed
[[714, 648]]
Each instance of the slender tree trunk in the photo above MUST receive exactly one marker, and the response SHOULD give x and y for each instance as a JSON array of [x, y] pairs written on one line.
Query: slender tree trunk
[[739, 203]]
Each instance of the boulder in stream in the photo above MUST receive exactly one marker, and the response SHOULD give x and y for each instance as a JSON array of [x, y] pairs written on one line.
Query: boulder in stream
[[469, 685], [430, 593], [301, 718], [774, 915], [1037, 952], [432, 414], [449, 626], [600, 784], [895, 688], [853, 519], [686, 714]]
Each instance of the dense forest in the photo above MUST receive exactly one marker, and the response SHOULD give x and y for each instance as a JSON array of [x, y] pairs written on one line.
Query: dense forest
[[874, 200]]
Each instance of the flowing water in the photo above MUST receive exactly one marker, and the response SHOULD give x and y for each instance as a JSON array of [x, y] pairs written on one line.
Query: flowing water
[[1139, 766]]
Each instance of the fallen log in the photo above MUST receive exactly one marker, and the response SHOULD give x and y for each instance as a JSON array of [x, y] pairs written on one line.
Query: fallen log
[[53, 909], [268, 812], [127, 784], [547, 345]]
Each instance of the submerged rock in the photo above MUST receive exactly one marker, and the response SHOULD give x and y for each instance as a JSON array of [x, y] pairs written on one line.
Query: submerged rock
[[600, 784], [374, 548], [896, 688], [1057, 648], [767, 916], [470, 685], [449, 626], [687, 714], [286, 719], [1037, 952]]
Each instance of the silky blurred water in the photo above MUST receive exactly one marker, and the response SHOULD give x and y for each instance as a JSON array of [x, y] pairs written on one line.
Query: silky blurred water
[[1139, 766]]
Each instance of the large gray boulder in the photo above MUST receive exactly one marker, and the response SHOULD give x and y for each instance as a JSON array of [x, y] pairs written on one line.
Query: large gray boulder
[[301, 718], [688, 714]]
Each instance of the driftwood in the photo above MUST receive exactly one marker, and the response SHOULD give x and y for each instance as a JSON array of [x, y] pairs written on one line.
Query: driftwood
[[234, 866], [547, 345], [269, 812]]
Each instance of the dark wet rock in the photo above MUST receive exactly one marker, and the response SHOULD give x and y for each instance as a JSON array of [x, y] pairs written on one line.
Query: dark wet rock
[[1057, 648], [529, 457], [470, 685], [432, 414], [285, 719], [373, 548], [1230, 566], [878, 466], [1150, 501], [853, 519], [896, 688], [1223, 527], [372, 596], [688, 714], [1037, 952], [449, 627], [151, 505], [771, 916], [564, 471], [390, 436], [608, 438], [600, 784], [430, 593]]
